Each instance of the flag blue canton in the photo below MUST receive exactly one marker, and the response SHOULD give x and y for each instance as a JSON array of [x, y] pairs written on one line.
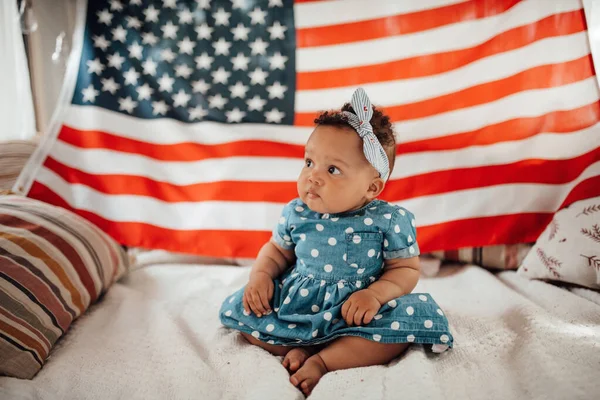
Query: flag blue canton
[[217, 60]]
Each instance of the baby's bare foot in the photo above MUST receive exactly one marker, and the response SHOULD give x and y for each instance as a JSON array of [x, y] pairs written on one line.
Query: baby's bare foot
[[309, 374], [295, 358]]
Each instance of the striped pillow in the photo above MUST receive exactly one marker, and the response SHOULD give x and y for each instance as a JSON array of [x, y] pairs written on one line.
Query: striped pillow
[[506, 256], [53, 266]]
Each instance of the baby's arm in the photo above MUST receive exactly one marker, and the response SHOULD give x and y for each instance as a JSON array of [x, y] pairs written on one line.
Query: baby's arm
[[399, 278], [272, 260]]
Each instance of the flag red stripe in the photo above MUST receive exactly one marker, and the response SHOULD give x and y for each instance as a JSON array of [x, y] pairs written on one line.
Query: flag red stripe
[[514, 129], [473, 232], [401, 24], [484, 231], [432, 64], [527, 171], [180, 152], [542, 77]]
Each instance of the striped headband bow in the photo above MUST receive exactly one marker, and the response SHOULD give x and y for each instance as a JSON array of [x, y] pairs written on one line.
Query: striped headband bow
[[360, 121]]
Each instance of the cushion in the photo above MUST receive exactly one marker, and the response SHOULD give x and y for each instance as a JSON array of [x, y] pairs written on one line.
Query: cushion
[[53, 266], [501, 257], [569, 248], [13, 156]]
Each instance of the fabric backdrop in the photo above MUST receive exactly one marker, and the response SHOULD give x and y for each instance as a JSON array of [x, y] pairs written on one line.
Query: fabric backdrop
[[184, 121]]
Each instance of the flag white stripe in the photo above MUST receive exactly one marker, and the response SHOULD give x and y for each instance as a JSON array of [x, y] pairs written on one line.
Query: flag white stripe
[[324, 13], [153, 130], [443, 39], [278, 169], [531, 103], [507, 199], [390, 93], [543, 147], [250, 169]]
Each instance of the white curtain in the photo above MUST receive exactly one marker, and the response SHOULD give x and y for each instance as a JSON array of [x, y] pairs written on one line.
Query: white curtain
[[17, 118]]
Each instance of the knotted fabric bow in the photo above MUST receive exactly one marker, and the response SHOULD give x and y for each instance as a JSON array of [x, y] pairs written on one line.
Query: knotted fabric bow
[[360, 121]]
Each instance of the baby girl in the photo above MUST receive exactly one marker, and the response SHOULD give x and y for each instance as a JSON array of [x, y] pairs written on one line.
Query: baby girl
[[332, 289]]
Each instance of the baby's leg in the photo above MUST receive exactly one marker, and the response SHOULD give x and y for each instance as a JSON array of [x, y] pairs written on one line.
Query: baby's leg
[[294, 356], [344, 353], [271, 348]]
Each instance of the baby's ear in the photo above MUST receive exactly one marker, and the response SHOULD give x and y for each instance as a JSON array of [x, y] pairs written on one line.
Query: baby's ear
[[375, 188]]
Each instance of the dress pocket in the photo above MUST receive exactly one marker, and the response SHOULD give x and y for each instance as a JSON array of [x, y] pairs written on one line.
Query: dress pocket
[[363, 249]]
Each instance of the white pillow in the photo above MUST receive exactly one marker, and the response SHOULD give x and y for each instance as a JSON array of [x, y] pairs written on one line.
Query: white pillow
[[569, 248]]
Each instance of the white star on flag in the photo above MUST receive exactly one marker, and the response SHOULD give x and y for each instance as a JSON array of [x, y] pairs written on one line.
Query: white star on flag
[[149, 67], [217, 101], [181, 99], [127, 104], [151, 14], [258, 16], [221, 75], [276, 91], [165, 83], [204, 31], [105, 17], [159, 107], [200, 86], [221, 17], [277, 31], [95, 66], [131, 76], [115, 60], [256, 103], [170, 30], [240, 62], [197, 112], [135, 51], [274, 115], [144, 92], [204, 61], [109, 85], [258, 76], [259, 46], [89, 94], [238, 90], [222, 47], [183, 71], [100, 42], [186, 46], [235, 115], [277, 61], [240, 32], [119, 34]]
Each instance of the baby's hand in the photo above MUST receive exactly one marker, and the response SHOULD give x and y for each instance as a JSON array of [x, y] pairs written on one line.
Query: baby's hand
[[360, 308], [258, 294]]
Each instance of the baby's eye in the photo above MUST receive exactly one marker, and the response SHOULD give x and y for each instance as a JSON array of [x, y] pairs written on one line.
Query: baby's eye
[[334, 171], [308, 162]]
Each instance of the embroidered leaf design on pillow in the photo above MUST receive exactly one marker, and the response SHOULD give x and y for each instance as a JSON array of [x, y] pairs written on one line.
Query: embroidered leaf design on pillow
[[593, 233], [593, 261], [590, 210], [550, 262]]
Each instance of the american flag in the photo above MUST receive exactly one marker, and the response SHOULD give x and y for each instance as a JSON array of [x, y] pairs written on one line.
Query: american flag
[[184, 121]]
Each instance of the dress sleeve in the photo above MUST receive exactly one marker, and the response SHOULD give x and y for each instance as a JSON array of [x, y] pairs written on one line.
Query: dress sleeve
[[400, 240], [282, 233]]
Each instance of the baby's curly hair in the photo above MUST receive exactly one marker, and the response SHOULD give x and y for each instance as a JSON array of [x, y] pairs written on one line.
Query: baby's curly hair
[[382, 127]]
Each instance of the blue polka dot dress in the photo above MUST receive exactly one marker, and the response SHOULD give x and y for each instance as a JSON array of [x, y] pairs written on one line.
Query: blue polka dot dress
[[337, 255]]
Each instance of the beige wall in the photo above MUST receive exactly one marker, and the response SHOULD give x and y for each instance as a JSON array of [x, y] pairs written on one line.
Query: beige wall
[[55, 18]]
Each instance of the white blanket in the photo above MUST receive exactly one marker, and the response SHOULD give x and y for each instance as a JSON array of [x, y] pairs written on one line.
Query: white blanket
[[156, 335]]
